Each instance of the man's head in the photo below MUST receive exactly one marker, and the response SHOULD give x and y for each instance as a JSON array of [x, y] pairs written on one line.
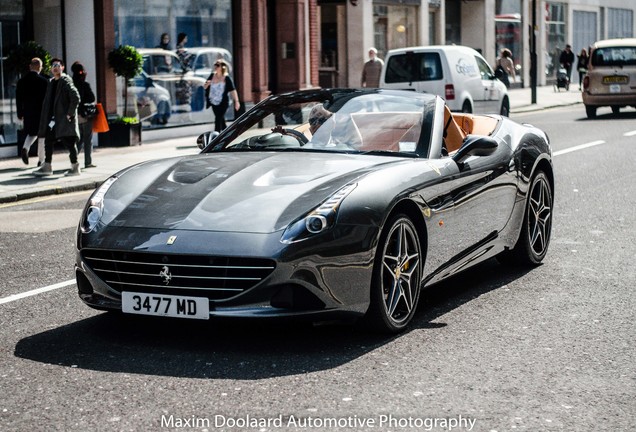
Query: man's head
[[373, 53], [35, 65], [317, 116], [568, 47], [57, 67]]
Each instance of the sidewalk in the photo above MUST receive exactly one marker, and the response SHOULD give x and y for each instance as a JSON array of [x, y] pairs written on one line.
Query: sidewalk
[[17, 183]]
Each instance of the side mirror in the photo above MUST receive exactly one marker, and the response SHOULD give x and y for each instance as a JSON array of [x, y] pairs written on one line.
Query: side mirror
[[206, 138], [475, 145]]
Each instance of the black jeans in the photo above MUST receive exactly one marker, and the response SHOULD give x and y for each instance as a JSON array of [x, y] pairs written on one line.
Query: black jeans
[[69, 142], [219, 116]]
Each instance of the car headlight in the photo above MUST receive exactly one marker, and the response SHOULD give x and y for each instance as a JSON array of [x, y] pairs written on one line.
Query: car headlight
[[95, 207], [318, 220]]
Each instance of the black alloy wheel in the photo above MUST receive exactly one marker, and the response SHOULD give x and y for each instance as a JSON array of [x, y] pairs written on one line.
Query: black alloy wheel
[[534, 239], [397, 274]]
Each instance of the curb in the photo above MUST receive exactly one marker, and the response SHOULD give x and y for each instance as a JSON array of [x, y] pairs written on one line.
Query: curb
[[56, 190]]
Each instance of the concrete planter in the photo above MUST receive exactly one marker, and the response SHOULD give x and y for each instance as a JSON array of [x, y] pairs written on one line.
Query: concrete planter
[[121, 135]]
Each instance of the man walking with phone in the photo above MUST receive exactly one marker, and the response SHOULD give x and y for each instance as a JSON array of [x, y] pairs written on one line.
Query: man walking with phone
[[58, 121]]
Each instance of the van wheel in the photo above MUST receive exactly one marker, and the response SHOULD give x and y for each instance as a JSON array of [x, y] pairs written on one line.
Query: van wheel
[[590, 111], [466, 107], [505, 108]]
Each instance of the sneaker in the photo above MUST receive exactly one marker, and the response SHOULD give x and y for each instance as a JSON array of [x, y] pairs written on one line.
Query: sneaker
[[25, 156], [44, 170], [74, 171], [90, 166]]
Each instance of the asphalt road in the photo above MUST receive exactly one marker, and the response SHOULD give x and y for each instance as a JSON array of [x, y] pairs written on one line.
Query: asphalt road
[[495, 349]]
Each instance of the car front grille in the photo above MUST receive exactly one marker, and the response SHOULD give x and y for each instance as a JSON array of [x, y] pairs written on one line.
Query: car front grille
[[217, 278]]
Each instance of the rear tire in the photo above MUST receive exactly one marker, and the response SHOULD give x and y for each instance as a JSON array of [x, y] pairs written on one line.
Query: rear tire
[[505, 108], [467, 107], [590, 111], [536, 230], [397, 272]]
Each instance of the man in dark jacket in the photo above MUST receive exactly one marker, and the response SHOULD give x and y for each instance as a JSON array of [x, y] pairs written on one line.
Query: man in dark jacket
[[58, 121], [567, 59], [29, 94]]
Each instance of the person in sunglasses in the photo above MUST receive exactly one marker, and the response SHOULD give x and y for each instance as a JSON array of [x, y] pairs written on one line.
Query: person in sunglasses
[[219, 87], [58, 120]]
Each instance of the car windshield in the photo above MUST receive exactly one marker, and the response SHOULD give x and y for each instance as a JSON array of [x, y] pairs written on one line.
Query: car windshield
[[354, 121], [614, 56]]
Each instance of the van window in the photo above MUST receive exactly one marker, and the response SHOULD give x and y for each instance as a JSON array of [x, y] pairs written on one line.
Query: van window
[[412, 66], [614, 56]]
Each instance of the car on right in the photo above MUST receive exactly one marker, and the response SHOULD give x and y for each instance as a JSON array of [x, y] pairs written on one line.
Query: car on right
[[611, 76]]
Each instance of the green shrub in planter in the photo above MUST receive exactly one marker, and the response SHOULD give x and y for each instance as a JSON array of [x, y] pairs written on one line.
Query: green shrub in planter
[[126, 62]]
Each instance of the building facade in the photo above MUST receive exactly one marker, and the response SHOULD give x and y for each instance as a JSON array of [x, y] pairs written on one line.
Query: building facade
[[283, 45]]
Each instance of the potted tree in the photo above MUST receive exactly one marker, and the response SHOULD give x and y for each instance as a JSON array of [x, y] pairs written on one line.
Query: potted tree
[[126, 62]]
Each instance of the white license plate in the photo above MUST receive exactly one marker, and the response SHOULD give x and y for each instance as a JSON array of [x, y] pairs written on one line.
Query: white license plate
[[165, 305], [615, 88]]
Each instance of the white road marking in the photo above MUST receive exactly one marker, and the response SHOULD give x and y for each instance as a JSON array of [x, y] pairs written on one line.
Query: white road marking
[[15, 297], [578, 147], [632, 133]]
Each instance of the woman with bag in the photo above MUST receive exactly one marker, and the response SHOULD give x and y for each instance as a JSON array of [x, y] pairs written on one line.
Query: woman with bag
[[505, 67], [218, 88], [87, 111]]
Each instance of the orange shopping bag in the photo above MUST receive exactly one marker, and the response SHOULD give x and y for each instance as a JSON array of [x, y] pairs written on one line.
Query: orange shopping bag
[[100, 124]]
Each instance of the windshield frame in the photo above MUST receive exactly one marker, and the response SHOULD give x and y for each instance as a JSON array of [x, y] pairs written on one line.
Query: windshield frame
[[335, 101]]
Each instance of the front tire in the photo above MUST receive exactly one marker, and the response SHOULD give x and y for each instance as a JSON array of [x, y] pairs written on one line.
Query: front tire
[[397, 272], [534, 238]]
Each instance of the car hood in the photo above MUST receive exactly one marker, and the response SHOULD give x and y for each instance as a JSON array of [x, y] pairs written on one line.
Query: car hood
[[234, 191]]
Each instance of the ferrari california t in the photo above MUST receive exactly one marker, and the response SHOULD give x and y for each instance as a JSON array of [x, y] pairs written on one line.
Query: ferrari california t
[[322, 204]]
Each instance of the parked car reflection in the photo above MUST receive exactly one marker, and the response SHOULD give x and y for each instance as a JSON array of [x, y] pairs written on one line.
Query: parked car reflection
[[166, 89], [201, 60]]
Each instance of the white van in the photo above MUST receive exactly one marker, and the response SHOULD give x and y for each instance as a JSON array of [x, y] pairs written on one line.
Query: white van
[[458, 74]]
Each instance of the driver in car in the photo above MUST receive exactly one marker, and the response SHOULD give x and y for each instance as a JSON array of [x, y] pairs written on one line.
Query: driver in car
[[317, 117]]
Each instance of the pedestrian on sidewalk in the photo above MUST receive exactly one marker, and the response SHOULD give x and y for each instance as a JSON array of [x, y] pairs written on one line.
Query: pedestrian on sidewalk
[[58, 120], [372, 70], [87, 111], [581, 65], [505, 67], [567, 60], [219, 87], [29, 94]]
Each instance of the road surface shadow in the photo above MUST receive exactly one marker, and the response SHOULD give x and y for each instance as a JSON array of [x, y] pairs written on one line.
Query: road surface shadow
[[239, 349]]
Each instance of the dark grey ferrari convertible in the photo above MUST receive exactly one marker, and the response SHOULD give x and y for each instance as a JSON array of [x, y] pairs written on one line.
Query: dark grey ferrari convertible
[[320, 204]]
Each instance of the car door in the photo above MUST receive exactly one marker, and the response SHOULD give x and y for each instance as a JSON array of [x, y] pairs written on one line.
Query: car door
[[491, 93], [469, 208]]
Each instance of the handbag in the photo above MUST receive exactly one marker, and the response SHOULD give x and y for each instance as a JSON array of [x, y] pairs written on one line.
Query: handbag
[[100, 124], [88, 110], [500, 72]]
